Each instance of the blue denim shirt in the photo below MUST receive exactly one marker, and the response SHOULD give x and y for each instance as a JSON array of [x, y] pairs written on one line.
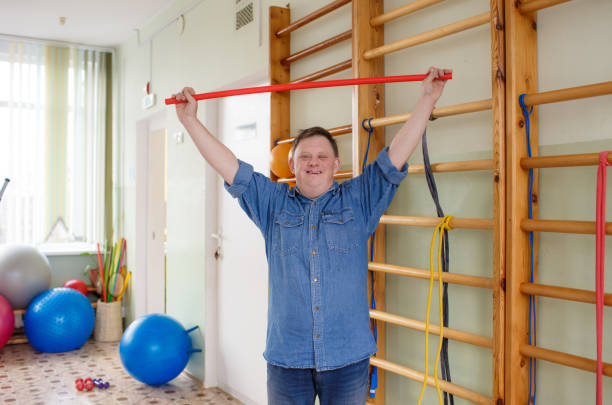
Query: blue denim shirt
[[318, 312]]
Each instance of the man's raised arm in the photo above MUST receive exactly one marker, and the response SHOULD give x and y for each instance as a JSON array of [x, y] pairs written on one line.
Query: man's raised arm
[[409, 135], [216, 154]]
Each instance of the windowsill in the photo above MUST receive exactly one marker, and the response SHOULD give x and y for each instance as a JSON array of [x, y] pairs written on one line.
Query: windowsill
[[67, 249]]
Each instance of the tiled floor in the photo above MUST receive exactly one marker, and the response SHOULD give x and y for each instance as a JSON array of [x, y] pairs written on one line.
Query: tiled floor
[[29, 377]]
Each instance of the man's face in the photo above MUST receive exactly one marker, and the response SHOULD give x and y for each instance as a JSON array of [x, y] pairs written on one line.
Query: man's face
[[314, 164]]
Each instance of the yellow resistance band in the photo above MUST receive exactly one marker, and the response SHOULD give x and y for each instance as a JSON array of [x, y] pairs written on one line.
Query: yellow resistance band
[[444, 224]]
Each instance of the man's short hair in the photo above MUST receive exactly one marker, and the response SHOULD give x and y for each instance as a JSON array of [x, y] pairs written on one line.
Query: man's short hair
[[314, 131]]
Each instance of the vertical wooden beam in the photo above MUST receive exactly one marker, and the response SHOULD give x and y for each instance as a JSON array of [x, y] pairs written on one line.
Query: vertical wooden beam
[[498, 115], [521, 77], [279, 101], [369, 102]]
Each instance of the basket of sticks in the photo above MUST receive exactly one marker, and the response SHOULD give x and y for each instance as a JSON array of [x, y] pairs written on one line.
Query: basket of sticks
[[109, 322], [110, 279]]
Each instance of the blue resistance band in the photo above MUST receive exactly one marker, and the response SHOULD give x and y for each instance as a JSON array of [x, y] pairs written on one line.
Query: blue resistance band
[[532, 313], [374, 376]]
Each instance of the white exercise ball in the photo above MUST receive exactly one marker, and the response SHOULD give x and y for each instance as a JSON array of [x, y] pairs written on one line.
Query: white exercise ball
[[24, 273]]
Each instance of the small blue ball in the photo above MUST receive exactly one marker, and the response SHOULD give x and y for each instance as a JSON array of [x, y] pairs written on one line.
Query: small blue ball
[[59, 320], [154, 349]]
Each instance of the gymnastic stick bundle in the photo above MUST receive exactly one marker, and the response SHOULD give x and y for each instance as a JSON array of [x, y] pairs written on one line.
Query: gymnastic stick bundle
[[309, 85]]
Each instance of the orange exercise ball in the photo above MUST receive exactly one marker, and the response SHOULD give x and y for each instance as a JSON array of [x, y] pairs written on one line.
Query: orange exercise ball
[[279, 160]]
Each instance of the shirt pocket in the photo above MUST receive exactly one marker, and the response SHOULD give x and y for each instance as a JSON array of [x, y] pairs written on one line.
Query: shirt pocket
[[340, 230], [288, 233]]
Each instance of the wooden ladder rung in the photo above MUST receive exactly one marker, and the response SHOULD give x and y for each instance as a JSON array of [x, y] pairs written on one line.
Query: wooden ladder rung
[[461, 166], [444, 385], [452, 278], [439, 112], [579, 159], [328, 71], [428, 36], [546, 225], [536, 5], [449, 333], [467, 223], [564, 293], [570, 93], [565, 359], [317, 47], [311, 17], [402, 11]]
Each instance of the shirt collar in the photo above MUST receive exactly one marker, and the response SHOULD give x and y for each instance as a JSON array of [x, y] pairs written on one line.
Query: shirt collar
[[334, 189]]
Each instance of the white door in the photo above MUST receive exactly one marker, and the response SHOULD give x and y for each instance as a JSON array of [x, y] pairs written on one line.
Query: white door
[[242, 272], [156, 222]]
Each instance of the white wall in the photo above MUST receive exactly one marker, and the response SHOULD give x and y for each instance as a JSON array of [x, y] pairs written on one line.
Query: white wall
[[207, 56], [242, 277]]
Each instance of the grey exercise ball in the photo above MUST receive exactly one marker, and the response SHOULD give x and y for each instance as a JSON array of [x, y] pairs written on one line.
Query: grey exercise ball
[[24, 273]]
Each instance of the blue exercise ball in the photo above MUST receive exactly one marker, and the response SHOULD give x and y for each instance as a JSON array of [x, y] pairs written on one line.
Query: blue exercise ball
[[155, 348], [59, 320]]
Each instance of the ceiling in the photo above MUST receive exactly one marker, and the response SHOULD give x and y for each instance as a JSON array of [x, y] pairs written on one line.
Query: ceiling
[[105, 23]]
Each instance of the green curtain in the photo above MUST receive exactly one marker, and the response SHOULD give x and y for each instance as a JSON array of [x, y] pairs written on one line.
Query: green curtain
[[57, 61], [108, 170], [78, 118]]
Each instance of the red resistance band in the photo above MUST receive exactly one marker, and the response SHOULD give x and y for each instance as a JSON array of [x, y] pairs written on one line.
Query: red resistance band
[[600, 262], [309, 85]]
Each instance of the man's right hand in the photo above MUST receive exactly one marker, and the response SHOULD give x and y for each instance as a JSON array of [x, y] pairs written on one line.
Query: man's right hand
[[188, 110]]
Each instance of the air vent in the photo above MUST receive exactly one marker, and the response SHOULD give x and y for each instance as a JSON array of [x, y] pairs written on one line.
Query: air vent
[[244, 15]]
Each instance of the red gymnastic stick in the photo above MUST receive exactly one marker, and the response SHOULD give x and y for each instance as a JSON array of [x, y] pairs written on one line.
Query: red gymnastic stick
[[309, 85]]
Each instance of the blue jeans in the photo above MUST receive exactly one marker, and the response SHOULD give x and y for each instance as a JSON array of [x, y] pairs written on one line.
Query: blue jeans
[[299, 386]]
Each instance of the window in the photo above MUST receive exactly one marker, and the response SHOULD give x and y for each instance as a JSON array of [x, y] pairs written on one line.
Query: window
[[53, 127]]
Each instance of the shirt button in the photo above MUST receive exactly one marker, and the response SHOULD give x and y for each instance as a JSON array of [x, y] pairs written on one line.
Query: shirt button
[[318, 336], [315, 279], [316, 308], [314, 252], [313, 227], [315, 203]]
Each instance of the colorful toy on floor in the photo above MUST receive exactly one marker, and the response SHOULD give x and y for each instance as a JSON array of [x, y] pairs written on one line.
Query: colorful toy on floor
[[7, 321], [59, 320], [98, 382], [155, 348], [78, 285], [24, 273], [90, 383]]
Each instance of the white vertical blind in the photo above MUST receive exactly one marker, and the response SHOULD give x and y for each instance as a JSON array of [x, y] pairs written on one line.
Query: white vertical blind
[[22, 141], [36, 139], [86, 142]]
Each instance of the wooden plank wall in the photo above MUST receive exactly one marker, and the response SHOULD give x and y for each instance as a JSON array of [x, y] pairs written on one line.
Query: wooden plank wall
[[498, 117], [369, 102], [513, 72], [521, 72], [280, 102]]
